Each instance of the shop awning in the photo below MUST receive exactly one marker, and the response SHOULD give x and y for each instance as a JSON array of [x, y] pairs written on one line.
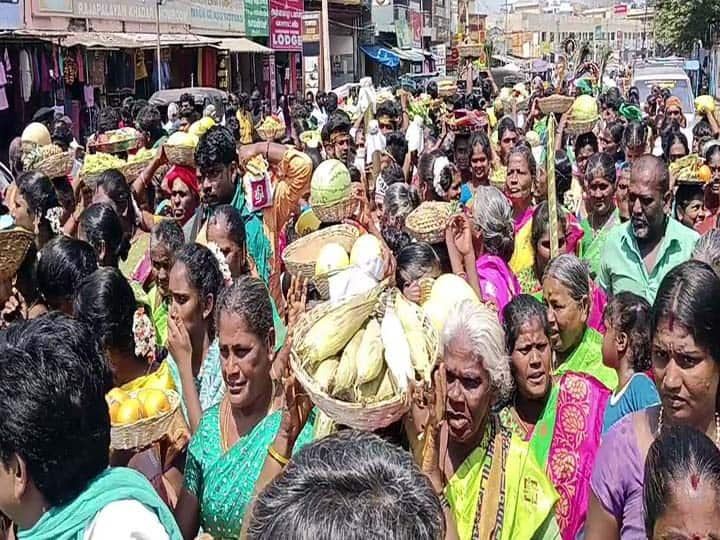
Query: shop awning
[[121, 40], [382, 55], [410, 55], [243, 45]]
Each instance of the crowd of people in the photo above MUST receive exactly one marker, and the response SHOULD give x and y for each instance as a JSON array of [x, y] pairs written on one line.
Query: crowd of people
[[575, 395]]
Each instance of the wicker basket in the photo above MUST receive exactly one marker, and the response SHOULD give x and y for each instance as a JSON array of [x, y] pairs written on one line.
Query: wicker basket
[[57, 165], [555, 104], [335, 212], [270, 134], [14, 245], [367, 417], [180, 155], [300, 256], [91, 179], [580, 127], [428, 221], [132, 170], [116, 147], [145, 431]]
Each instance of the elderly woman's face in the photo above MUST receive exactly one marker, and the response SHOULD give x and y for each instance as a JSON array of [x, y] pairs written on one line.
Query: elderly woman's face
[[519, 181], [468, 391], [245, 362], [685, 374], [567, 317], [531, 361]]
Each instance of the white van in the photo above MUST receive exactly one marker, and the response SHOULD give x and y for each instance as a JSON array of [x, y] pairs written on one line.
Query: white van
[[666, 74]]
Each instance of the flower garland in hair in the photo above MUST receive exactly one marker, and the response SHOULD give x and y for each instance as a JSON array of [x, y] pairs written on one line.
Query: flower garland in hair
[[438, 168], [53, 216], [144, 334], [222, 262]]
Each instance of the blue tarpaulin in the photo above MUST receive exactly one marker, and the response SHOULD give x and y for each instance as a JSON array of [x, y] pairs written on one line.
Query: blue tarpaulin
[[381, 55]]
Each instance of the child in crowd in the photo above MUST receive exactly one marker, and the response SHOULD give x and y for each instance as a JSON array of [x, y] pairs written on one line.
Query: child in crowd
[[626, 349]]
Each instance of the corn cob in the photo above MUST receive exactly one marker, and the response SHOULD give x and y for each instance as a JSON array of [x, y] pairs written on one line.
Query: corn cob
[[324, 426], [325, 373], [370, 354], [387, 389], [347, 370], [411, 319], [367, 392], [332, 331], [397, 350]]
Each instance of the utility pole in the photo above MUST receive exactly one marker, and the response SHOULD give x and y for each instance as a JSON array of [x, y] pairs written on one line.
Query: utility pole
[[325, 46], [157, 29]]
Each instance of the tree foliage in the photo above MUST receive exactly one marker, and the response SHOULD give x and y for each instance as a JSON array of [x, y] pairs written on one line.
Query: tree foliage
[[678, 23]]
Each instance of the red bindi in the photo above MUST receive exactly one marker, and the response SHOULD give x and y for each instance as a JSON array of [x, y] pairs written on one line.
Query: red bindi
[[671, 322]]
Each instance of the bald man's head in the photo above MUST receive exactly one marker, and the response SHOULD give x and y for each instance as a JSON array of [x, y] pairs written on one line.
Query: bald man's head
[[649, 168]]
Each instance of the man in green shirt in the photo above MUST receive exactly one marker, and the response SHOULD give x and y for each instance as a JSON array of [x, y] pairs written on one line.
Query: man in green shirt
[[638, 254]]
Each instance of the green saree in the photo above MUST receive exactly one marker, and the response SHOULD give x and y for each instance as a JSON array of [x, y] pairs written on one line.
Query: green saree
[[224, 482]]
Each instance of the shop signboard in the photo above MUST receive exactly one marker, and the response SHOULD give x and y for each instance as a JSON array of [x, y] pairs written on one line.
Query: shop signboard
[[286, 25], [311, 74], [416, 24], [171, 11], [10, 14], [402, 32], [228, 15], [311, 27], [256, 18], [439, 53]]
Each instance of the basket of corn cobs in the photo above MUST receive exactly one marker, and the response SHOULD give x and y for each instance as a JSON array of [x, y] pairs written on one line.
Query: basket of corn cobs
[[428, 221], [358, 358], [301, 256], [49, 160]]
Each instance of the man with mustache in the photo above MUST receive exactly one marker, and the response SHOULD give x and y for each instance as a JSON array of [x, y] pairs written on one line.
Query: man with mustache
[[639, 253], [219, 162]]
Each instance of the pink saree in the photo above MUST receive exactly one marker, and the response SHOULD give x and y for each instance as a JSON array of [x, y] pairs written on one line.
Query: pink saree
[[568, 436], [497, 282]]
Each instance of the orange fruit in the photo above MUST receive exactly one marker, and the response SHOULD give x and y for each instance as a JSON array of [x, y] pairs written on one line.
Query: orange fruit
[[154, 402], [116, 394], [129, 411], [113, 407], [704, 173]]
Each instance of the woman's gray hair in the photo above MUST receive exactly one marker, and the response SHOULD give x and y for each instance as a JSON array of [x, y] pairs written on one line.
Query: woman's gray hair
[[400, 199], [493, 216], [707, 250], [572, 273], [479, 325]]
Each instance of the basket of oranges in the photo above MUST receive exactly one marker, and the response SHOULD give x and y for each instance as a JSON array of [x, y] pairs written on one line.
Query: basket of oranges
[[140, 418]]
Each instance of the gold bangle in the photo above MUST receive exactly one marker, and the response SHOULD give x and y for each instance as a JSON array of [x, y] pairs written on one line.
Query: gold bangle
[[282, 460]]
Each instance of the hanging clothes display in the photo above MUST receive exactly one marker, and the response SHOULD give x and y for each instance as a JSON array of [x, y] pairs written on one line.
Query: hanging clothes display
[[140, 68], [3, 94], [209, 57], [45, 79], [25, 75], [80, 61], [36, 70], [96, 68]]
